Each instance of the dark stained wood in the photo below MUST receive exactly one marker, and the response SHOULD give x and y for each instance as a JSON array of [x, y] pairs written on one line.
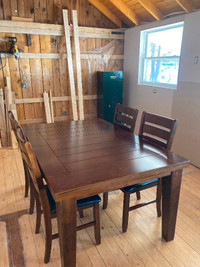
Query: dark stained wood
[[15, 125], [91, 133], [105, 200], [101, 170], [42, 200], [66, 212], [125, 117], [170, 197], [126, 201], [159, 132], [153, 133]]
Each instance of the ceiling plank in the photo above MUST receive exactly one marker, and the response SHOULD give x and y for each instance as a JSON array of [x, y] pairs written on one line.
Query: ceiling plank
[[106, 12], [152, 9], [186, 5], [119, 4]]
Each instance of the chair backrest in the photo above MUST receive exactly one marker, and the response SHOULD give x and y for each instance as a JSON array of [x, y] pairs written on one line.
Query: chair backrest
[[14, 123], [16, 126], [125, 117], [157, 129], [34, 170], [30, 160]]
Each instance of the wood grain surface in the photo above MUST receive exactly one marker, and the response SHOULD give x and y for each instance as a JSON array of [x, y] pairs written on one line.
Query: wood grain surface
[[82, 158], [85, 155]]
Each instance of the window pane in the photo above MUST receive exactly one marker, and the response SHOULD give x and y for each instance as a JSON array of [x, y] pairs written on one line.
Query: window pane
[[161, 70], [165, 42]]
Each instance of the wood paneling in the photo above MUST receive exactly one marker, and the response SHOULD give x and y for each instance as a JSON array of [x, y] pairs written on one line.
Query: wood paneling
[[45, 74]]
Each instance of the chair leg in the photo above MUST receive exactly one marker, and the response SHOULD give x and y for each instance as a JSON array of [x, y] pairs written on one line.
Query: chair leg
[[26, 173], [32, 198], [125, 211], [158, 197], [48, 236], [105, 200], [138, 195], [38, 216], [81, 213], [97, 231]]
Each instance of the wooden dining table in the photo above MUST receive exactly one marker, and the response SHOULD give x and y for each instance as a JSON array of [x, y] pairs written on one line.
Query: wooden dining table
[[84, 158]]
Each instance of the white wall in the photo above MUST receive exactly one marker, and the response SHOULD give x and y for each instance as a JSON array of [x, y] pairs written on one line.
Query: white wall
[[183, 103], [186, 101]]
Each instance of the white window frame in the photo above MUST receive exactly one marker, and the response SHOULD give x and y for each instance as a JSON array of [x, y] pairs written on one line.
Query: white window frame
[[143, 57]]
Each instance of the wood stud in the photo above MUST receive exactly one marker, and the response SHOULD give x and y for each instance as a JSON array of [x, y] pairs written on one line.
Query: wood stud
[[78, 65], [7, 26], [51, 106], [186, 5], [126, 11], [108, 13], [152, 9], [2, 120], [70, 65], [47, 107]]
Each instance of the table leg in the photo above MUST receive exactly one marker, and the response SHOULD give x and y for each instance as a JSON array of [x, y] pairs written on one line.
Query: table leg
[[170, 197], [66, 214]]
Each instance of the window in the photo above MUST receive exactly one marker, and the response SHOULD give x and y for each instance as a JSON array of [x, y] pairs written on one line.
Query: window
[[159, 56]]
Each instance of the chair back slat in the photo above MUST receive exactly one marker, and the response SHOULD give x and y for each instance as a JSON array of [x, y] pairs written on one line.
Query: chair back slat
[[159, 120], [158, 129], [15, 125], [30, 161], [125, 117], [126, 110]]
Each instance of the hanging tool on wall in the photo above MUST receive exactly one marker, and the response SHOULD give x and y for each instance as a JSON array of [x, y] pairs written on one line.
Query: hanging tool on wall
[[13, 49]]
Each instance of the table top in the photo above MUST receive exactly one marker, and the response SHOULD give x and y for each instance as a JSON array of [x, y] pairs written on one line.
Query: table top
[[81, 158]]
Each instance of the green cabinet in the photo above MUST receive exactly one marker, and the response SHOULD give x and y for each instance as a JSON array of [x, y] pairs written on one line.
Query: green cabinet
[[109, 93]]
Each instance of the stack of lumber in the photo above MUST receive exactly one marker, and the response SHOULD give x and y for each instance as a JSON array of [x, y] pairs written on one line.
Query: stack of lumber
[[7, 102]]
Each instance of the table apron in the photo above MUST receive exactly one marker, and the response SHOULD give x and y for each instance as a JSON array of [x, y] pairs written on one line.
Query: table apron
[[109, 185]]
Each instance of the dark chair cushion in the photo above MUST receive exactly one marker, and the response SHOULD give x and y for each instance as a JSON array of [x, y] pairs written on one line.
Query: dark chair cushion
[[80, 202], [137, 186], [88, 200], [52, 203]]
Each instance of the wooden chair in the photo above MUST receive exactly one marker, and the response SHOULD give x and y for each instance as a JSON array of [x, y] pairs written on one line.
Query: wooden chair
[[125, 118], [14, 125], [45, 200], [159, 131]]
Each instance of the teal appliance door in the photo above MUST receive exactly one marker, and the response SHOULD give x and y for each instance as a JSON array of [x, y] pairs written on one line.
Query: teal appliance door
[[111, 92]]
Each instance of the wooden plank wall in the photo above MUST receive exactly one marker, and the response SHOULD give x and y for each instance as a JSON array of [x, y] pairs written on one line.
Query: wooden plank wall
[[51, 74]]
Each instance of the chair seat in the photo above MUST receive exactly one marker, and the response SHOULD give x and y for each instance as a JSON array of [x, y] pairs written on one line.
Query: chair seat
[[80, 202], [136, 186]]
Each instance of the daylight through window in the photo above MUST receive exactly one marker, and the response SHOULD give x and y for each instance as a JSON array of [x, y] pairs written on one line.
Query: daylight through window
[[159, 55]]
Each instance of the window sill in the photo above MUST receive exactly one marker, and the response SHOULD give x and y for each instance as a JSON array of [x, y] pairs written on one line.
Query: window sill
[[159, 85]]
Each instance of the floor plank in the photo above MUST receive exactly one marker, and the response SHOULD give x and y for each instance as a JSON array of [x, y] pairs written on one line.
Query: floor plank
[[3, 245]]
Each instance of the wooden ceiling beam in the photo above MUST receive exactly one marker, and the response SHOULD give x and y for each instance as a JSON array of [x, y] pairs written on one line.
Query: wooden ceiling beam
[[152, 9], [186, 5], [119, 4], [106, 12]]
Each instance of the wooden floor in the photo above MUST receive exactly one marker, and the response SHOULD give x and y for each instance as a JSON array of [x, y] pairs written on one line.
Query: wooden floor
[[140, 246]]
